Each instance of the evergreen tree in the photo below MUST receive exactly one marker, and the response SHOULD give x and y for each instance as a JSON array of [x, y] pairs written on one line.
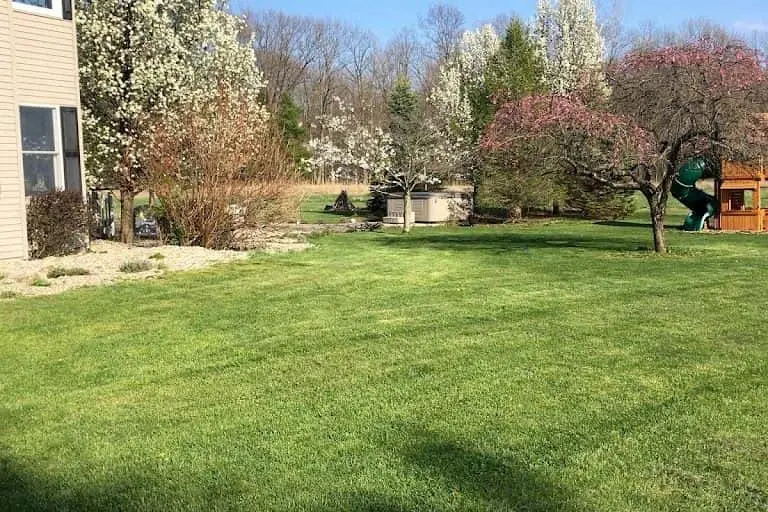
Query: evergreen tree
[[294, 133], [403, 104], [517, 70]]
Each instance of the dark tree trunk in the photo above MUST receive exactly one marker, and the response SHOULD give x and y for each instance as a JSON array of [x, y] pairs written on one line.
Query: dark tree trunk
[[659, 241], [657, 202], [126, 216]]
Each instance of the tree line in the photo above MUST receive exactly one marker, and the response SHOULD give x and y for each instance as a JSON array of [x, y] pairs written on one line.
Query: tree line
[[440, 102]]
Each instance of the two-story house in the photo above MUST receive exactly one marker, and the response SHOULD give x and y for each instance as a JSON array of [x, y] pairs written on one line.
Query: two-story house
[[40, 135]]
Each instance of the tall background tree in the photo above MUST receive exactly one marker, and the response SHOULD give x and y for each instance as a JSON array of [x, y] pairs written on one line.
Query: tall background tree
[[461, 99], [443, 26], [570, 42]]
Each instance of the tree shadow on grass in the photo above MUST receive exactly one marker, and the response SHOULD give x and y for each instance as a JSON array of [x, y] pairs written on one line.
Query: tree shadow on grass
[[489, 480], [634, 224], [23, 489], [504, 241], [459, 476]]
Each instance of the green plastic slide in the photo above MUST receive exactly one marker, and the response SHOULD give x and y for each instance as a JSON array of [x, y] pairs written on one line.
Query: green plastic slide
[[702, 205]]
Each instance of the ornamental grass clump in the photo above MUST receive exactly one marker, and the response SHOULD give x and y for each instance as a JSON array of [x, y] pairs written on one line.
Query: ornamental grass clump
[[58, 272], [40, 282], [135, 267]]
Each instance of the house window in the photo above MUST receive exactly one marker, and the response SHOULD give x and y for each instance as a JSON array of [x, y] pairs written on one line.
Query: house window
[[70, 147], [55, 8], [45, 4], [50, 148]]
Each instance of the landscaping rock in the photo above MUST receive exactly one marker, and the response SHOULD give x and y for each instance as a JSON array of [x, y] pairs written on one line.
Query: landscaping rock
[[103, 262], [269, 240]]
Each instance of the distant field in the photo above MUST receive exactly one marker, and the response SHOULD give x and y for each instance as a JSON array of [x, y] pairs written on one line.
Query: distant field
[[332, 189]]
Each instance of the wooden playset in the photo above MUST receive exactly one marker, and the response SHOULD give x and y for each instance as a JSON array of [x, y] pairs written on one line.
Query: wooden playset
[[742, 194], [740, 202]]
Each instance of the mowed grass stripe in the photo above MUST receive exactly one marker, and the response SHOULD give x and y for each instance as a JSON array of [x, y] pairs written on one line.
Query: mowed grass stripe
[[546, 367]]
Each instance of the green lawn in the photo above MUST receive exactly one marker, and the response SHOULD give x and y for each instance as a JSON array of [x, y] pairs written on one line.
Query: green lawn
[[313, 209], [551, 367]]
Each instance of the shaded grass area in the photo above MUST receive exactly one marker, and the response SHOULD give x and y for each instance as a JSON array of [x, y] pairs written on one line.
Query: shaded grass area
[[313, 208], [546, 367]]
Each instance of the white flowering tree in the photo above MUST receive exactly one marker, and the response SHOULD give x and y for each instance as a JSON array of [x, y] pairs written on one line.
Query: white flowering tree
[[458, 98], [347, 149], [420, 152], [464, 73], [139, 61], [570, 43]]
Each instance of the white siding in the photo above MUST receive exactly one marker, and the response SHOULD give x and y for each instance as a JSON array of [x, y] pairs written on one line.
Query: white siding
[[12, 220], [38, 65]]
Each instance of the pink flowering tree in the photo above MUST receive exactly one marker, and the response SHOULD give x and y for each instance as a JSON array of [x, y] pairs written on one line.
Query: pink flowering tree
[[666, 106]]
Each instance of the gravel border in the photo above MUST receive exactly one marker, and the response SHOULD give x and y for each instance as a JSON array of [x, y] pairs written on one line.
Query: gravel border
[[103, 262]]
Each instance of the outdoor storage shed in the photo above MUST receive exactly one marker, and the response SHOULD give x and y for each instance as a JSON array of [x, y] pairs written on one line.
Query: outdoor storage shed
[[430, 207]]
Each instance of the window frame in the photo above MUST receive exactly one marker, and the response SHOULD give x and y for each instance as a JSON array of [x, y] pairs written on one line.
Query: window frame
[[56, 10], [58, 146]]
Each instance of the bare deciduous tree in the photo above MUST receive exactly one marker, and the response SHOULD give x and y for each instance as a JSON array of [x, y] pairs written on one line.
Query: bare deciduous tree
[[286, 46], [361, 47], [615, 36], [442, 26], [651, 36]]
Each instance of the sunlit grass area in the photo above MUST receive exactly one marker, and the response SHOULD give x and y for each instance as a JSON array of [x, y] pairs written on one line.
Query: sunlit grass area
[[552, 366]]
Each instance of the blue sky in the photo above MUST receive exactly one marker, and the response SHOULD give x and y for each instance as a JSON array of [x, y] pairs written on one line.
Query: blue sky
[[386, 17]]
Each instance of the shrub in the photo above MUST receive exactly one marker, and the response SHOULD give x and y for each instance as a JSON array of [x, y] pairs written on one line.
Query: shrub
[[219, 167], [157, 256], [135, 267], [57, 224], [58, 272]]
